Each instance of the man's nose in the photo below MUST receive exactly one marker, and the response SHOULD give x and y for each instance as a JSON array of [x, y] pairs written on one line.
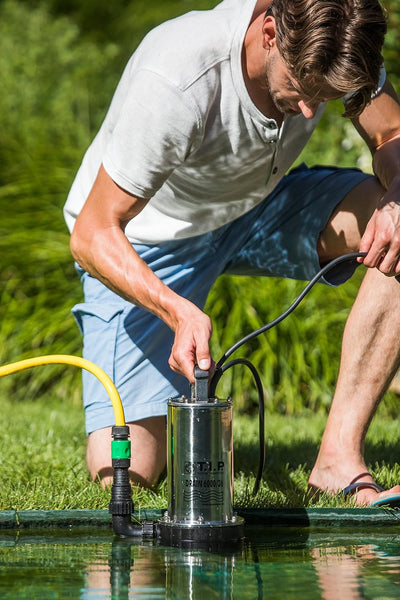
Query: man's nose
[[308, 108]]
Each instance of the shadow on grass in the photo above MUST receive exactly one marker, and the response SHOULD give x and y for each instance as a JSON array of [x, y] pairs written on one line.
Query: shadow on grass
[[284, 459], [295, 453], [290, 456], [383, 451]]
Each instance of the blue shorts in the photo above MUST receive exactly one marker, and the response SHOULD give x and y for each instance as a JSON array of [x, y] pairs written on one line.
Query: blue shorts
[[277, 238]]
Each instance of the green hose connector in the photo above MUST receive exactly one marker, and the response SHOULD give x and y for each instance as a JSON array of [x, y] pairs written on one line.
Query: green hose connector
[[120, 449]]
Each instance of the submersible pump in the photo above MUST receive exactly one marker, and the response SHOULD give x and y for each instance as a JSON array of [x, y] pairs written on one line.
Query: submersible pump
[[200, 471], [200, 475]]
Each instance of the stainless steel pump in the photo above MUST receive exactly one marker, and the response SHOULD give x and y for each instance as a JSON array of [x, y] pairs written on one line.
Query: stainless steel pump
[[200, 472]]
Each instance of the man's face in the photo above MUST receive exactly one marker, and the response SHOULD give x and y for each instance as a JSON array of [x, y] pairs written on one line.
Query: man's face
[[286, 94]]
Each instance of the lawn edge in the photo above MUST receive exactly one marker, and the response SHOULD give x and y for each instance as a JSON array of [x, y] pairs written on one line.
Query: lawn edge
[[272, 517]]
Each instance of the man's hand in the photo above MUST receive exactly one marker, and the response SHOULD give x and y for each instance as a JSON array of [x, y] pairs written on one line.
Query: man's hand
[[191, 345], [379, 125], [381, 239]]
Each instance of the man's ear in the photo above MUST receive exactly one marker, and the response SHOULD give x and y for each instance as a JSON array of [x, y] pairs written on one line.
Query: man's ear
[[268, 32]]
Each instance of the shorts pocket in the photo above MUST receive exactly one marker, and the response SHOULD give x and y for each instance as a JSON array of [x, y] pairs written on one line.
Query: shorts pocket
[[91, 309], [99, 325]]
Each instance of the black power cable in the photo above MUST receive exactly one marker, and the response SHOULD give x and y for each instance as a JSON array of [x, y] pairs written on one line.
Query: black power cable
[[221, 368]]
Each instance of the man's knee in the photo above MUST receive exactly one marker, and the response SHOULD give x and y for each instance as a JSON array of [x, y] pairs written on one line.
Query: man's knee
[[347, 224], [148, 445]]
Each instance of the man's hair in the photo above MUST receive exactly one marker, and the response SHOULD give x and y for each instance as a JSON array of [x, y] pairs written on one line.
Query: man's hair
[[332, 42]]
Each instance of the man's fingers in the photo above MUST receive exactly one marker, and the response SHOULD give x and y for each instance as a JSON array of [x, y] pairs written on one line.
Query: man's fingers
[[191, 346], [367, 239], [204, 363], [182, 361]]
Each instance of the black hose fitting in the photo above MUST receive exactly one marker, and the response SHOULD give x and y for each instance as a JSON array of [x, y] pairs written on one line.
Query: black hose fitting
[[121, 504]]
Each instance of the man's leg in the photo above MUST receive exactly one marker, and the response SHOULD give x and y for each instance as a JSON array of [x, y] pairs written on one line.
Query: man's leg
[[370, 352], [148, 441]]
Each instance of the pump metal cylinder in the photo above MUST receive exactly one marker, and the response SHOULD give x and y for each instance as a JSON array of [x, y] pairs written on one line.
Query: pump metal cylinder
[[200, 461], [200, 473]]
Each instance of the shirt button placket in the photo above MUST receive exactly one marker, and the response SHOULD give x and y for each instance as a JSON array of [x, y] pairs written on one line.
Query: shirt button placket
[[272, 138]]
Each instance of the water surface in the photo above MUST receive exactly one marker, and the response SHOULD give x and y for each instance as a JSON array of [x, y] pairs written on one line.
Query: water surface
[[272, 563]]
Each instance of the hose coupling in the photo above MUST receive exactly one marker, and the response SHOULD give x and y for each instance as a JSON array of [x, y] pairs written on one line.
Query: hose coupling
[[121, 503]]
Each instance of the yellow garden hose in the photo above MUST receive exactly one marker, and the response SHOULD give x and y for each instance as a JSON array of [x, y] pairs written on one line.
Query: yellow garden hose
[[77, 361]]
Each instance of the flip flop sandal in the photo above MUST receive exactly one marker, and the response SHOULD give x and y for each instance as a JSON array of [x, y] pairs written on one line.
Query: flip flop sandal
[[389, 501]]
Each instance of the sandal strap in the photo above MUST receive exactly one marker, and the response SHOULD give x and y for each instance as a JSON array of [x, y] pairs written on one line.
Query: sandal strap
[[362, 484]]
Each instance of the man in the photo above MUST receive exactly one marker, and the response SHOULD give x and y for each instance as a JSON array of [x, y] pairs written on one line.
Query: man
[[186, 180]]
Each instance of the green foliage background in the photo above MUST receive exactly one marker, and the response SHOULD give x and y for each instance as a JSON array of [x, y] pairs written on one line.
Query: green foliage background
[[59, 63]]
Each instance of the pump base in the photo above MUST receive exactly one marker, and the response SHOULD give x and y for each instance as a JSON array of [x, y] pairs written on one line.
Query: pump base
[[210, 536]]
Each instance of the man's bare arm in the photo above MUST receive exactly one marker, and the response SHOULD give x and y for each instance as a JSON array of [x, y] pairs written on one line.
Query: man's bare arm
[[99, 245]]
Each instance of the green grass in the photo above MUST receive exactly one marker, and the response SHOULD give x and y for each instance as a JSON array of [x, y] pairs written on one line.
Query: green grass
[[42, 459]]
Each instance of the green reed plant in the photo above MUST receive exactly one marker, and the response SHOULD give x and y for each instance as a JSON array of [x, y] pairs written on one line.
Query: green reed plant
[[54, 102]]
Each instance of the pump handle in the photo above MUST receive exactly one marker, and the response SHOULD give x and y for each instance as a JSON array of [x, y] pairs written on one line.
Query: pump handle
[[200, 386]]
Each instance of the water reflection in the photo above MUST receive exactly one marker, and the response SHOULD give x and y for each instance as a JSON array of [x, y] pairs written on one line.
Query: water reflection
[[284, 563], [352, 572], [146, 571], [272, 563], [130, 571]]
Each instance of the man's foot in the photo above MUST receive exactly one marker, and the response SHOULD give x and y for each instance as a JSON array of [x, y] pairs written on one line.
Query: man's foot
[[364, 491]]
